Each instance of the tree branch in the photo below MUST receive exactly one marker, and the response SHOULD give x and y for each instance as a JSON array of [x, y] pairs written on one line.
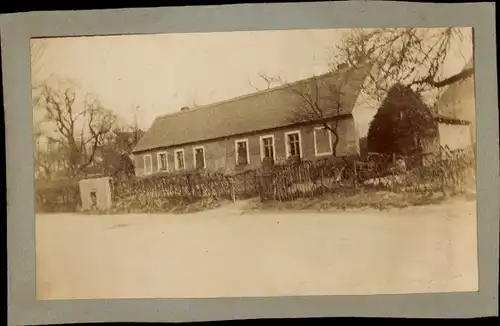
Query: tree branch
[[410, 56], [448, 81]]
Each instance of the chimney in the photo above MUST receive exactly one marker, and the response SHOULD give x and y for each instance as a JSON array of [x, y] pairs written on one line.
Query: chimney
[[184, 108]]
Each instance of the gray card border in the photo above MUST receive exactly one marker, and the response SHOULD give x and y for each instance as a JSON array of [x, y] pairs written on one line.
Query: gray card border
[[16, 30]]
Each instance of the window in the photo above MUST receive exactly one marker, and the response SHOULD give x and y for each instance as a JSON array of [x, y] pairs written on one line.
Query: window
[[148, 164], [162, 162], [242, 152], [267, 148], [179, 159], [293, 145], [322, 141], [199, 157]]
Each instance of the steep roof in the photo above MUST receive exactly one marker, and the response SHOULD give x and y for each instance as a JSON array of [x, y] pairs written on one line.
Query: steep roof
[[276, 107]]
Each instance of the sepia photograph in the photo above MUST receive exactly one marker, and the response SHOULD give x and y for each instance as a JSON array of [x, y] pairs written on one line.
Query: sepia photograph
[[255, 163]]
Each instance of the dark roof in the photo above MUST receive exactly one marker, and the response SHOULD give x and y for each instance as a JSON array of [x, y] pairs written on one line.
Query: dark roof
[[268, 109]]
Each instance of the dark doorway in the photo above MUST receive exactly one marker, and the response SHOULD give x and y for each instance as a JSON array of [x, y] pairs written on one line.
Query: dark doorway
[[93, 199]]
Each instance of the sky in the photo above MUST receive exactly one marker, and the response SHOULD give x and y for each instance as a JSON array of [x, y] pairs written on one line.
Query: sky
[[159, 74]]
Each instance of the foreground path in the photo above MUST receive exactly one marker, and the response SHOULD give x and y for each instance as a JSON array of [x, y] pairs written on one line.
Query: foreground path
[[224, 253]]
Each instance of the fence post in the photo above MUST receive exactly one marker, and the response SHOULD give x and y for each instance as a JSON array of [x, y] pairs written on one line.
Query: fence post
[[443, 180], [355, 175], [260, 189], [245, 184], [253, 176], [321, 177], [190, 187], [231, 188]]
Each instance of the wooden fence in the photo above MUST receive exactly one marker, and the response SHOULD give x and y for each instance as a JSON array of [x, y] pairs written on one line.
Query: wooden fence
[[440, 171], [188, 187], [306, 178], [435, 172]]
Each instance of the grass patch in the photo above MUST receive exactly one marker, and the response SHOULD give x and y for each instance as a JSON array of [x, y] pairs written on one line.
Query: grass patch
[[347, 200], [167, 205]]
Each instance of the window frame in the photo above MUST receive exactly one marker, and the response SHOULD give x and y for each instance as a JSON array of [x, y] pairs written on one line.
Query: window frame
[[176, 162], [236, 142], [316, 153], [158, 155], [287, 145], [261, 143], [204, 156]]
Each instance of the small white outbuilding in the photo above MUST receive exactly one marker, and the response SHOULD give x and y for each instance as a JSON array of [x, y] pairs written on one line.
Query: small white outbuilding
[[96, 193]]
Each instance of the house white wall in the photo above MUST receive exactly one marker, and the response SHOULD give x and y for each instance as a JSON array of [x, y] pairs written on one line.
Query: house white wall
[[349, 139], [454, 136], [364, 110], [102, 189], [459, 101]]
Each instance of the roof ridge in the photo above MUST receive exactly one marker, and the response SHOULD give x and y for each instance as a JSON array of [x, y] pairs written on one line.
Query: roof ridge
[[240, 97]]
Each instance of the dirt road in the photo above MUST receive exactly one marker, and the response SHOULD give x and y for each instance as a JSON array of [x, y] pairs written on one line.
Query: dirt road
[[223, 253]]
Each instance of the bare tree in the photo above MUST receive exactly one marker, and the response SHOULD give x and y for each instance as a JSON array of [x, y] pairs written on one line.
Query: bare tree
[[79, 128], [322, 100], [412, 57], [115, 153], [49, 158], [270, 82], [125, 136], [42, 155]]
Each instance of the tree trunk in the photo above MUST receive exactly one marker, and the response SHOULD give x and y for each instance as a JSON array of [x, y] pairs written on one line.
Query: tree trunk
[[335, 144]]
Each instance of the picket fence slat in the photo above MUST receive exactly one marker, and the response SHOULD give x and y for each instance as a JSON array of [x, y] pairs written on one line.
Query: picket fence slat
[[190, 186]]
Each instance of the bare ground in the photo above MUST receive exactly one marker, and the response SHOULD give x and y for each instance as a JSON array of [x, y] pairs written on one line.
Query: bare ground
[[227, 253]]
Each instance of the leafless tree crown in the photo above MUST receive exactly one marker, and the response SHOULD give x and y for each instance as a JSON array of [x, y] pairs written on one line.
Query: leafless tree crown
[[410, 56], [78, 128]]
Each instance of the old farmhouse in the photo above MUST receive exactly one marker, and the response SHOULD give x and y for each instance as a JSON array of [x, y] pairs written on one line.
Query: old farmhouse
[[270, 125], [454, 113], [456, 109]]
